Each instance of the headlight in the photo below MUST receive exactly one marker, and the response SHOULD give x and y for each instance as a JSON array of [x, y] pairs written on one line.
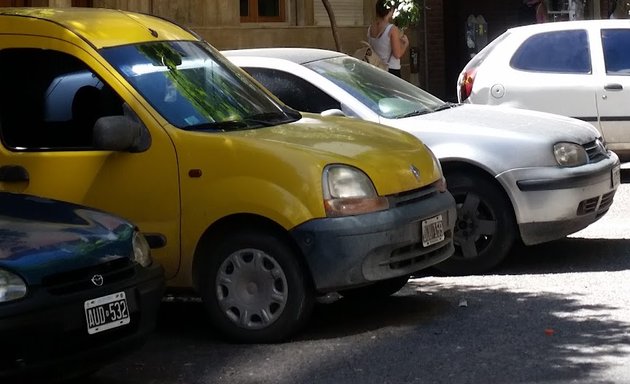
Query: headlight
[[570, 154], [348, 191], [141, 250], [12, 287]]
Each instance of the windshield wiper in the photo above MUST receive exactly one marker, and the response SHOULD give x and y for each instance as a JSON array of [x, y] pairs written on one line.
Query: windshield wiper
[[447, 105], [218, 126], [413, 113], [268, 119]]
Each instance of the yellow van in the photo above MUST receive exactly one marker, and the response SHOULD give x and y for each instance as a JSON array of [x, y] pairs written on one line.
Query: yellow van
[[255, 206]]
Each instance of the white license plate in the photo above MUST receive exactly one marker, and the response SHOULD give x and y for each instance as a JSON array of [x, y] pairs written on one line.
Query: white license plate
[[106, 312], [616, 177], [432, 231]]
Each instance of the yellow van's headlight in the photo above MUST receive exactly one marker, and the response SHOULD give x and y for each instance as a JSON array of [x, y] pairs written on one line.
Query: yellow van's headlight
[[349, 191]]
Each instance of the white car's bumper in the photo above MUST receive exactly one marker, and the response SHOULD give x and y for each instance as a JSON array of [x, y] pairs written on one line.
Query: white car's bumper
[[553, 202]]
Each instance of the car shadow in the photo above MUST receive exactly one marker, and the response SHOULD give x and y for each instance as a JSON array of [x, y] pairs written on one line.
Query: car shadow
[[569, 255]]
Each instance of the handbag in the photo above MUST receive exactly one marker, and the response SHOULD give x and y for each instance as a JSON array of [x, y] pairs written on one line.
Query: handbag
[[367, 54]]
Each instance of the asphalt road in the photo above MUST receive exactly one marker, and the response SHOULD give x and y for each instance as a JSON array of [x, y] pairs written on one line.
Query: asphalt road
[[554, 313]]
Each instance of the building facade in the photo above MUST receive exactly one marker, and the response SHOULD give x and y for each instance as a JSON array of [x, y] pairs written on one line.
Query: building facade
[[448, 33]]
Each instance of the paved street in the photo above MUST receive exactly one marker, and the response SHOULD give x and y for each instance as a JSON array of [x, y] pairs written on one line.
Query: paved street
[[555, 313]]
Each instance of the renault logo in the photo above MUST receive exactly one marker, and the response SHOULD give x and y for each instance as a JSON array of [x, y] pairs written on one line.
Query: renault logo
[[415, 171], [97, 280]]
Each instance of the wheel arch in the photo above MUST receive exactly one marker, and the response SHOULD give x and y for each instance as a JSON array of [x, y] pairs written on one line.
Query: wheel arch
[[460, 166], [241, 222]]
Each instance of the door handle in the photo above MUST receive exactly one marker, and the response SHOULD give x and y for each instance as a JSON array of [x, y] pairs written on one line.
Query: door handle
[[613, 87], [13, 173]]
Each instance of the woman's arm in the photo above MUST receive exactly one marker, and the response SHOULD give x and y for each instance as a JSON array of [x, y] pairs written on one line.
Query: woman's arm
[[399, 43]]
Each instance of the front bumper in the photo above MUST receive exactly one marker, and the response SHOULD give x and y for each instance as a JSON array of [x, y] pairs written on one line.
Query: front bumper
[[351, 251], [45, 335], [551, 203]]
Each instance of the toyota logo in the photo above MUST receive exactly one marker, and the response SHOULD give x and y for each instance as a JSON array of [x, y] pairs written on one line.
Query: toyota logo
[[415, 172], [97, 280]]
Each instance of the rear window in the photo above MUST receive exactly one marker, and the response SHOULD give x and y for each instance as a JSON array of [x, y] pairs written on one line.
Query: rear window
[[476, 61], [557, 51], [616, 44]]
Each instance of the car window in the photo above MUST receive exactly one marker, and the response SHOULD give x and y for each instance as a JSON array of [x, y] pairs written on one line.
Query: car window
[[195, 88], [294, 91], [51, 106], [616, 45], [478, 59], [385, 94], [557, 51]]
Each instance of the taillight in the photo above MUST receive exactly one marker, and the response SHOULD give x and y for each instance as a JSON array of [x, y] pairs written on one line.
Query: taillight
[[466, 83]]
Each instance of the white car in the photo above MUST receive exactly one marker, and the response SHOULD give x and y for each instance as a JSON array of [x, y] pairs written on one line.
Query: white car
[[579, 69], [515, 174]]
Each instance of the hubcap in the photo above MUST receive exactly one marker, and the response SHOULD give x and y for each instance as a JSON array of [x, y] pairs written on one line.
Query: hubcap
[[475, 227], [251, 289]]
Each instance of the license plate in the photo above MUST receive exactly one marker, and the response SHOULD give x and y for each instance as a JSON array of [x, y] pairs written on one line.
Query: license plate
[[615, 177], [106, 312], [432, 231]]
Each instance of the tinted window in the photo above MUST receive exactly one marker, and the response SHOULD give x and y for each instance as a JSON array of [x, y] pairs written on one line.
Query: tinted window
[[294, 91], [50, 100], [558, 51], [616, 44]]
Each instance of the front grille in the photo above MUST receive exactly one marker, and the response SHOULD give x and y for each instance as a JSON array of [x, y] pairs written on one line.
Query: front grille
[[587, 206], [405, 257], [606, 202], [410, 197], [79, 280], [599, 204], [596, 151]]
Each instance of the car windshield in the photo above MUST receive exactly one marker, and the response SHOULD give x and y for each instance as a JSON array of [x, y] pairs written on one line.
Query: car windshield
[[385, 94], [194, 88]]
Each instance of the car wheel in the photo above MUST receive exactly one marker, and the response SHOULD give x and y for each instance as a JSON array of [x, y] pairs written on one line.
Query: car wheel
[[377, 290], [485, 229], [255, 289]]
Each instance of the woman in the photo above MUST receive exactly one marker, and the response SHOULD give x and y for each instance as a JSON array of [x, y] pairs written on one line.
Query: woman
[[385, 38]]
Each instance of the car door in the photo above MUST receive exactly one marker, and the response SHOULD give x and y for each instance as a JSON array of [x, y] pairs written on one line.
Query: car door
[[50, 99], [549, 71], [613, 91]]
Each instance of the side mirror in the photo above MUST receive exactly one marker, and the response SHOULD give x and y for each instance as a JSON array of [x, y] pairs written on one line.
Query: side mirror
[[333, 112], [120, 133]]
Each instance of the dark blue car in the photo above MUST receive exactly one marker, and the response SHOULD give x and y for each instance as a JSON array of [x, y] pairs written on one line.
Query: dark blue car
[[77, 288]]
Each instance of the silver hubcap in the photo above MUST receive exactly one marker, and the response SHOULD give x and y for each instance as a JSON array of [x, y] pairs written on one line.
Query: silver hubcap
[[251, 288]]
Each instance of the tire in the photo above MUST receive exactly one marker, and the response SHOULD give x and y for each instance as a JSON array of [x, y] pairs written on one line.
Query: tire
[[255, 289], [485, 229], [378, 290]]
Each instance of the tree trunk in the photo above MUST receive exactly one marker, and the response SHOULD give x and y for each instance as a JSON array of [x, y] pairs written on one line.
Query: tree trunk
[[333, 24]]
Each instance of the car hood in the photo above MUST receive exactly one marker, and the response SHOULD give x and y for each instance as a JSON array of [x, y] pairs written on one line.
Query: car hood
[[385, 154], [42, 237], [293, 155], [496, 121]]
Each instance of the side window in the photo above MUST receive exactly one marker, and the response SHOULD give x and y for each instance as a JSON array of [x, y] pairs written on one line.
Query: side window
[[558, 51], [52, 106], [616, 44], [294, 91]]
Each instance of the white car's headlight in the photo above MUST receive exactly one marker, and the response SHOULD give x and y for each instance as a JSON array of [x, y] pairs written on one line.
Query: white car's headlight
[[570, 154], [349, 191], [12, 287], [141, 250]]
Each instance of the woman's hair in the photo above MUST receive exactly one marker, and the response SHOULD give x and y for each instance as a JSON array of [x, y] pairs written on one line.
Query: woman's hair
[[383, 7]]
